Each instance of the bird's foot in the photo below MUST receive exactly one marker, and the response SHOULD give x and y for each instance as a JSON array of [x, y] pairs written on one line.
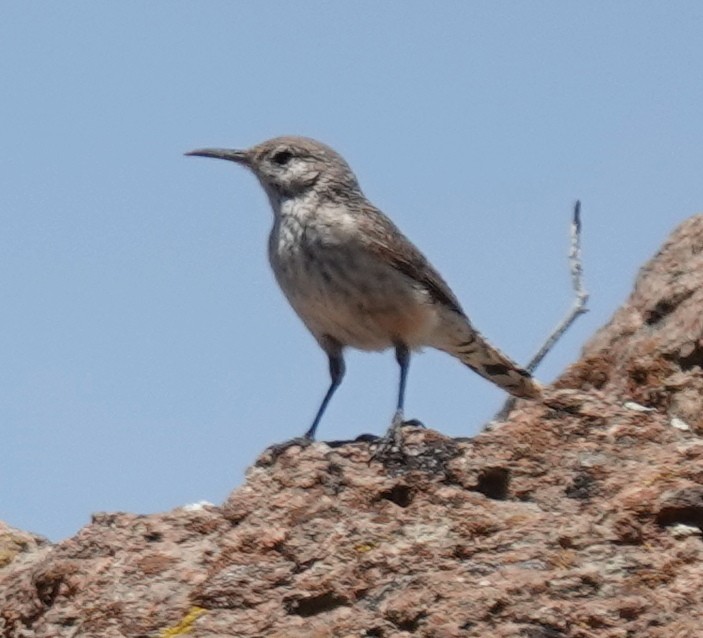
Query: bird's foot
[[274, 451], [391, 443]]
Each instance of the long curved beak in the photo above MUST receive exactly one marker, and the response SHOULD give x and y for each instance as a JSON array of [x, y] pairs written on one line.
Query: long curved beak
[[232, 155]]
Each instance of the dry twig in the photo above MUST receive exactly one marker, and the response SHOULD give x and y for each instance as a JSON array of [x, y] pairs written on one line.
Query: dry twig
[[578, 307]]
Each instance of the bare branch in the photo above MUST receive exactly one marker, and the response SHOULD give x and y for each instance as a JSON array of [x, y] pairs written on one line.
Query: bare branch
[[578, 307]]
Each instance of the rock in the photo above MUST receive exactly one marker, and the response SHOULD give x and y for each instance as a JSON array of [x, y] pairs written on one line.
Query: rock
[[578, 518], [651, 351]]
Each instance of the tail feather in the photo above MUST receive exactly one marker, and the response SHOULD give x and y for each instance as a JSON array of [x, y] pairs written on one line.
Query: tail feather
[[491, 364]]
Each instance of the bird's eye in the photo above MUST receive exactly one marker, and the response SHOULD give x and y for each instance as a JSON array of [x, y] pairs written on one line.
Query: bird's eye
[[282, 157]]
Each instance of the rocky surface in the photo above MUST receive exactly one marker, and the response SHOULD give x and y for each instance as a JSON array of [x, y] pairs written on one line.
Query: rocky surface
[[578, 518], [651, 351]]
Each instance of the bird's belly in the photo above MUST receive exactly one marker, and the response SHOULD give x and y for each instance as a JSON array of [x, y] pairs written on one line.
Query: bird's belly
[[360, 302]]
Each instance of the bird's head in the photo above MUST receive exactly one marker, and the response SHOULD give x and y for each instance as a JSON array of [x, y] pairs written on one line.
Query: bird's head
[[290, 167]]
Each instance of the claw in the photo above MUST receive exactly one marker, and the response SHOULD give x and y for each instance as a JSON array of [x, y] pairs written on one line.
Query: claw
[[278, 449], [392, 441]]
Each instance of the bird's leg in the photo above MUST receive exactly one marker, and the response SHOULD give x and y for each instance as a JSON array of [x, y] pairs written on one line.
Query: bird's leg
[[402, 356], [337, 370], [333, 349], [393, 438]]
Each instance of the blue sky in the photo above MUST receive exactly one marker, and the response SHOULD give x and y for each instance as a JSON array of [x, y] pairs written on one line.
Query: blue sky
[[147, 354]]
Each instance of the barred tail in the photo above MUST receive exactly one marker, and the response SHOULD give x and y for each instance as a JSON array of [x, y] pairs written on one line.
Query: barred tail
[[476, 353]]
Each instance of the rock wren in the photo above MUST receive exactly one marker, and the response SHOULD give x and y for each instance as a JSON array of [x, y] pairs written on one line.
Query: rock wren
[[350, 274]]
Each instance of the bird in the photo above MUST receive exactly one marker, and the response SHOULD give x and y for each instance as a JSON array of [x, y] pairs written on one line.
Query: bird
[[351, 275]]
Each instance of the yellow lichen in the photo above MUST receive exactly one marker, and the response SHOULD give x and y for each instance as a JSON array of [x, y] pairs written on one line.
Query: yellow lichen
[[185, 625], [364, 547]]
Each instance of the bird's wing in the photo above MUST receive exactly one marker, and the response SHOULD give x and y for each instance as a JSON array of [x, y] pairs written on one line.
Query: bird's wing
[[382, 237]]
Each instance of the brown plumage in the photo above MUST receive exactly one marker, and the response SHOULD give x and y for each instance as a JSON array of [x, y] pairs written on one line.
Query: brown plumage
[[352, 276]]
